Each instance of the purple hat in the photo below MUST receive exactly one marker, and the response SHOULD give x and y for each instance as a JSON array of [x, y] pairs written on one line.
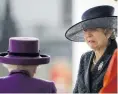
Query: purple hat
[[23, 51]]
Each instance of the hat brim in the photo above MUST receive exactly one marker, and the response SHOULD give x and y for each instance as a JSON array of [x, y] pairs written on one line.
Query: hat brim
[[75, 33], [17, 60]]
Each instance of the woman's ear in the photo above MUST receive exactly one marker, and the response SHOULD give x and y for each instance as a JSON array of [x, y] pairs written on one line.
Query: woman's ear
[[35, 68], [108, 33]]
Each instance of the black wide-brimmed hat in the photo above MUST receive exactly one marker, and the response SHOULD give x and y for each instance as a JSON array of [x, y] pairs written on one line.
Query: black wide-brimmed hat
[[96, 17]]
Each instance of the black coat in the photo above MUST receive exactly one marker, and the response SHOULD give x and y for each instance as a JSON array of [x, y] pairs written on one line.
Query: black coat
[[92, 81]]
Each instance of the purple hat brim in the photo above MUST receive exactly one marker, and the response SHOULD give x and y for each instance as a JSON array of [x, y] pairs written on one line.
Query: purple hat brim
[[17, 60]]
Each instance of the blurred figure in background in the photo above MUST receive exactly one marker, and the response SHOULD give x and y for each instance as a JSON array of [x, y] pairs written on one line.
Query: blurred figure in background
[[22, 59], [8, 27], [61, 74]]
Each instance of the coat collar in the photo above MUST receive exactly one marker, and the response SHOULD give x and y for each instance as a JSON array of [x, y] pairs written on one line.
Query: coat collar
[[86, 77], [105, 58], [23, 72], [112, 45]]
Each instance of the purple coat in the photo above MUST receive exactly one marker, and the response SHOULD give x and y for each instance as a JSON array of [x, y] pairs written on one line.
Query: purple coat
[[21, 82]]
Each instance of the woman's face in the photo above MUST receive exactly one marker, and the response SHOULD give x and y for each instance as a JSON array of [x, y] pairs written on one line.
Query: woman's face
[[96, 38]]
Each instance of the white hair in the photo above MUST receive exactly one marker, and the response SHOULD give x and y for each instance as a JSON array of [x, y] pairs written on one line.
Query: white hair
[[30, 68], [112, 33]]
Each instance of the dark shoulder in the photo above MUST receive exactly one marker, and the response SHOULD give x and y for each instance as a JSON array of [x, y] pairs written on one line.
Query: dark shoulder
[[87, 55], [85, 58], [46, 84]]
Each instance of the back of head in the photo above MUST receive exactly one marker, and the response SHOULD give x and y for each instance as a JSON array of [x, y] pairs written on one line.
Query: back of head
[[30, 68]]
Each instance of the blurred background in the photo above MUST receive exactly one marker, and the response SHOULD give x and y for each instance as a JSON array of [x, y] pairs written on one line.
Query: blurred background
[[48, 20]]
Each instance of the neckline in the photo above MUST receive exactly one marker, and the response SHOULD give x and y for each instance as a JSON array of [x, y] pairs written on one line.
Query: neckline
[[24, 72]]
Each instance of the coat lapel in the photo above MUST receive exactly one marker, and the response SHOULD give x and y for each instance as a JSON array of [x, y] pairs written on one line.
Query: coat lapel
[[105, 62], [87, 72]]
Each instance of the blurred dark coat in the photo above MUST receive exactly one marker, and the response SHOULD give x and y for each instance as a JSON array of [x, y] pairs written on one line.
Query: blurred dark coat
[[21, 82], [92, 81]]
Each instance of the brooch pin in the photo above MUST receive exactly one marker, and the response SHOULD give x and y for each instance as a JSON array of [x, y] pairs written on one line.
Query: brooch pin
[[100, 66]]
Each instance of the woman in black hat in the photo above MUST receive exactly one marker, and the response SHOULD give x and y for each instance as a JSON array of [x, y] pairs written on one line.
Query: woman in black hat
[[98, 28]]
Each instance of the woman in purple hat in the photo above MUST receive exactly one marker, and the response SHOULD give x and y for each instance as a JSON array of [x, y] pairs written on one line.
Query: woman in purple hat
[[98, 28], [21, 60]]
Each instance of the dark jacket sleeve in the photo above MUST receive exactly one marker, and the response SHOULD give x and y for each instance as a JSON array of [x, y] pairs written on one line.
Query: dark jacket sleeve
[[75, 90]]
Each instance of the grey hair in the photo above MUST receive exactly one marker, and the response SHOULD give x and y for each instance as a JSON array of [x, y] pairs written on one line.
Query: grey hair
[[11, 67], [113, 33]]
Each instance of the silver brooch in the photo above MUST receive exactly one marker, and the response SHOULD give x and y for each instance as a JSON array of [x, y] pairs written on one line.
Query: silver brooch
[[100, 66]]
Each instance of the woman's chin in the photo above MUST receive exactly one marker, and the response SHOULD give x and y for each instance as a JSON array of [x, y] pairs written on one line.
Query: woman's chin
[[93, 47]]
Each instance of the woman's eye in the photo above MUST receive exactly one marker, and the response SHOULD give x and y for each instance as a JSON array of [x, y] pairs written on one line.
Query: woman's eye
[[93, 29]]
